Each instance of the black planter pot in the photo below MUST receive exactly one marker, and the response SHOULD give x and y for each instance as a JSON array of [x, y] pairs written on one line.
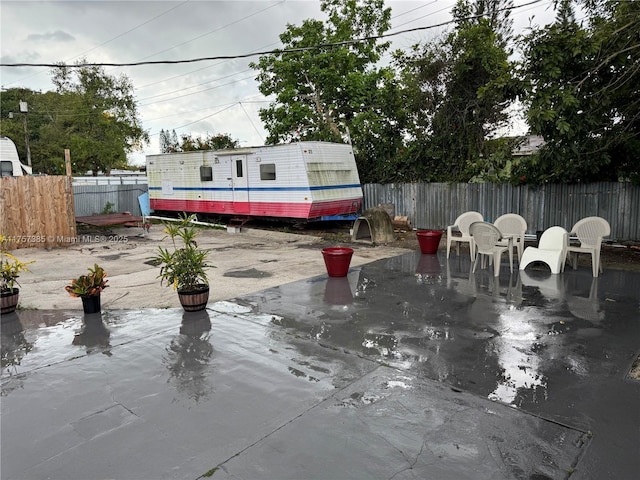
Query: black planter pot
[[9, 300], [91, 304], [196, 300]]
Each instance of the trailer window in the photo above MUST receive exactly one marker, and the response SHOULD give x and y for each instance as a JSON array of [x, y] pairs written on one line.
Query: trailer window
[[267, 171], [6, 169], [206, 173], [239, 173]]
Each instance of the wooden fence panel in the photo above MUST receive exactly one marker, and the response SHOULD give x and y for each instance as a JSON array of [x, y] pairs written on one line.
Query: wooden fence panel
[[37, 211]]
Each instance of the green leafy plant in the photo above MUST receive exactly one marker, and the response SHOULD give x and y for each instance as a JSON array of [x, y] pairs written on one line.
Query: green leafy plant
[[184, 266], [108, 209], [10, 268], [88, 285]]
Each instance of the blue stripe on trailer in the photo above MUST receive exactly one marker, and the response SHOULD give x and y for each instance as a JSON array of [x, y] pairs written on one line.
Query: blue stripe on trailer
[[261, 189]]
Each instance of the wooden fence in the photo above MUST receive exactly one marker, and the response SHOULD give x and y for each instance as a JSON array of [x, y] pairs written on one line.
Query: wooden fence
[[37, 212]]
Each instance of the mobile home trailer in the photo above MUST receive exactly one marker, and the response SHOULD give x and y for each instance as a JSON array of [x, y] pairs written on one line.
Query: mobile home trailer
[[297, 181], [10, 165]]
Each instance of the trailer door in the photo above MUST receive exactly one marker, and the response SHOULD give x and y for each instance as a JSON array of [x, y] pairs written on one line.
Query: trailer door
[[240, 185]]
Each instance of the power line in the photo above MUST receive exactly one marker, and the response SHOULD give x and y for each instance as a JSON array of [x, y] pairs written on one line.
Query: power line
[[112, 39], [214, 30], [203, 118], [270, 52], [250, 77], [198, 85]]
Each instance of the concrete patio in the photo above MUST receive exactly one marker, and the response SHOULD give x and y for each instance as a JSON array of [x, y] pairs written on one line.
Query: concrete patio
[[410, 367]]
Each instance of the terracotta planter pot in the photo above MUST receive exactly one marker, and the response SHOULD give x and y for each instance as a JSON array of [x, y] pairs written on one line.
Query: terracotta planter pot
[[9, 301], [196, 300], [337, 260]]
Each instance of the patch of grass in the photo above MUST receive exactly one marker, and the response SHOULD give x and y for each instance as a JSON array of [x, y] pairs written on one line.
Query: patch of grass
[[209, 473]]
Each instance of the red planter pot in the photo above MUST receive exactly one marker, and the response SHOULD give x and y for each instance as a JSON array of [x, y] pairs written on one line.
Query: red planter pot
[[429, 240], [337, 260]]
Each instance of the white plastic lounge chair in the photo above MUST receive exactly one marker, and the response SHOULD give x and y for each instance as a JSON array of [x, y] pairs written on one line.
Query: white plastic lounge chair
[[514, 225], [486, 238], [462, 223], [590, 231], [552, 250]]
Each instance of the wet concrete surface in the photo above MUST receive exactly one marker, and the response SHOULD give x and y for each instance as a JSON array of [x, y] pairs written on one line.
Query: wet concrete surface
[[410, 367]]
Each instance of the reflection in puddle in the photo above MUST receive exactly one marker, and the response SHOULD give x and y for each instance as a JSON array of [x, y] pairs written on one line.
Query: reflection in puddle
[[94, 335], [188, 355], [515, 347], [14, 344], [385, 345]]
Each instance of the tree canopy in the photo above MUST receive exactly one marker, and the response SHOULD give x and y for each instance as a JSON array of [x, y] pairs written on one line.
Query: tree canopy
[[327, 85], [583, 94], [169, 142], [91, 113]]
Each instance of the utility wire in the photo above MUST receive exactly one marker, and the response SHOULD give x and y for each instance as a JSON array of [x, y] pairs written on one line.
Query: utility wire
[[253, 54], [112, 39]]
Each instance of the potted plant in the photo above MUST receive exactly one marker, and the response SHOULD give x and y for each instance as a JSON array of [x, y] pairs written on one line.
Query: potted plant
[[89, 287], [183, 267], [10, 270]]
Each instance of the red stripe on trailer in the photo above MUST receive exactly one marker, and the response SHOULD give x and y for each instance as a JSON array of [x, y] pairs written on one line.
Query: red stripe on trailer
[[260, 209], [335, 207]]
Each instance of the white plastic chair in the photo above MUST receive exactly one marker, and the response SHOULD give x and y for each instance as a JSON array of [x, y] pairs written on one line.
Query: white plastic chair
[[514, 225], [486, 238], [590, 231], [462, 223], [552, 250]]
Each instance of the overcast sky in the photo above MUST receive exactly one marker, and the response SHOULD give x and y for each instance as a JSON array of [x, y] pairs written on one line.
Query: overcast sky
[[203, 98]]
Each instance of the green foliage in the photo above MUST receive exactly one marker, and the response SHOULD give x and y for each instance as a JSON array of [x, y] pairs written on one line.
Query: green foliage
[[91, 113], [108, 208], [457, 89], [88, 285], [10, 268], [498, 164], [183, 267], [169, 142], [582, 95], [334, 92]]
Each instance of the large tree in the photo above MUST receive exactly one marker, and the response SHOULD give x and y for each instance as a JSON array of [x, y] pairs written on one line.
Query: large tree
[[13, 122], [583, 94], [459, 88], [326, 85], [98, 119]]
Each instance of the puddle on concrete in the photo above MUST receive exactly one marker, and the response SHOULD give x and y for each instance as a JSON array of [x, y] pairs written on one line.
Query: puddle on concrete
[[250, 273]]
